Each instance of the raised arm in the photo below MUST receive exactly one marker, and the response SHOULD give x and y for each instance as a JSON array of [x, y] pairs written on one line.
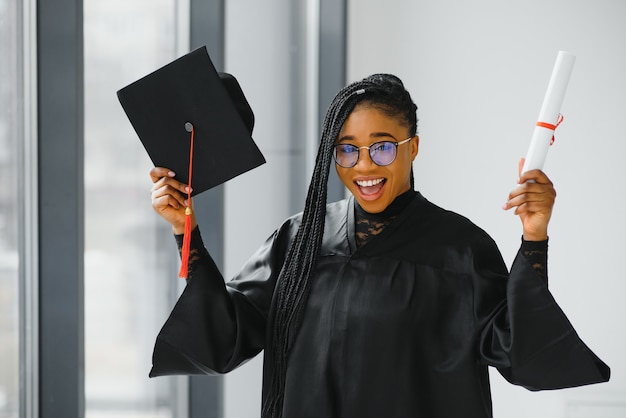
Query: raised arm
[[533, 200]]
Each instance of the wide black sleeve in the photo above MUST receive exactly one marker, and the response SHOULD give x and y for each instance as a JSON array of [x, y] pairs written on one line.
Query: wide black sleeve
[[526, 336], [215, 326]]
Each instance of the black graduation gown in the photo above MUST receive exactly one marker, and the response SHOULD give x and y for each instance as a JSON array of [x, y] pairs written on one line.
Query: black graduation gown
[[404, 326]]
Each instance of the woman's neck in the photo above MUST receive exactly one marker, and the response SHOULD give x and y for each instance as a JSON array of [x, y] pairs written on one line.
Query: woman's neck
[[399, 203], [368, 225]]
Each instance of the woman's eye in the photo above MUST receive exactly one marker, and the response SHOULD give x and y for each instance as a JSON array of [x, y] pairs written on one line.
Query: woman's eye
[[348, 149], [380, 147]]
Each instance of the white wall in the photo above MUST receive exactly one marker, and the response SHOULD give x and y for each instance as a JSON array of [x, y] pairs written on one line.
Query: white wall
[[478, 71]]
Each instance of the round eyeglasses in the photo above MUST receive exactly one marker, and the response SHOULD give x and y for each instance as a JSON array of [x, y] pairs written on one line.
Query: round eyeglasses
[[382, 153]]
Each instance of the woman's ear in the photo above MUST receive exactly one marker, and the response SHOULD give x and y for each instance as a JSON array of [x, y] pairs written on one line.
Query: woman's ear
[[415, 145]]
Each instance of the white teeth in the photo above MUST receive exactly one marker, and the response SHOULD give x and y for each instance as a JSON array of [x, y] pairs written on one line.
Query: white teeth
[[368, 183]]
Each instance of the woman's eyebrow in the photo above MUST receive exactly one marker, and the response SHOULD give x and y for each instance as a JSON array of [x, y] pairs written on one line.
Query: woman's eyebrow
[[372, 135], [345, 138], [381, 135]]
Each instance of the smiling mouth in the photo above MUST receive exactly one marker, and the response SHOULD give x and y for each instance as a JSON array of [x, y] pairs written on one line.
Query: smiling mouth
[[369, 183], [370, 187]]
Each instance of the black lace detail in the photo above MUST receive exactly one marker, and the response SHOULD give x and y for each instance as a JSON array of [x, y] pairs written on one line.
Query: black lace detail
[[536, 253], [368, 225], [196, 250]]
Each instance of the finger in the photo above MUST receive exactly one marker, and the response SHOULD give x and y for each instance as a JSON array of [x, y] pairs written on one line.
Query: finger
[[162, 203], [156, 173], [533, 206], [537, 176], [171, 182], [533, 187], [173, 193], [539, 199], [539, 184]]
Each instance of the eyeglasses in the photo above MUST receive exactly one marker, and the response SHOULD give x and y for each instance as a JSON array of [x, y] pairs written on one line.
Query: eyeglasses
[[382, 153]]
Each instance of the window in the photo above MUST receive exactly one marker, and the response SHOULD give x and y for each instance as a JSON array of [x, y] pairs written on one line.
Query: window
[[11, 123], [130, 257]]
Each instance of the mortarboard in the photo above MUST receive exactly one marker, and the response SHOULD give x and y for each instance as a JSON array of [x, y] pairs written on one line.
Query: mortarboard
[[193, 120], [190, 90]]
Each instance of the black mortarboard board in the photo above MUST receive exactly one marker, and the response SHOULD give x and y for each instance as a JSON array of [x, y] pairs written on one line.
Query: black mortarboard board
[[190, 90]]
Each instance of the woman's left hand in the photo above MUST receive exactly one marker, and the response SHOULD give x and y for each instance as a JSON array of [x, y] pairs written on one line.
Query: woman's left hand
[[533, 201]]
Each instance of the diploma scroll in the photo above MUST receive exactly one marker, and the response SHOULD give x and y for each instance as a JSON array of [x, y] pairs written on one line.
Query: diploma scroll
[[549, 116]]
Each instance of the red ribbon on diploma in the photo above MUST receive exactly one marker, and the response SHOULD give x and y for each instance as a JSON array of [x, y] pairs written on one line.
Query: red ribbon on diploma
[[551, 126]]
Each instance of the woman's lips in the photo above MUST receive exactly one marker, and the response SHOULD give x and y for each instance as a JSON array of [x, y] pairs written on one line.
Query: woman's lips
[[371, 187]]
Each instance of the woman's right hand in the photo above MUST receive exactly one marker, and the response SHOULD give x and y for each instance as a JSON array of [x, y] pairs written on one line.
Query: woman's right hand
[[169, 198]]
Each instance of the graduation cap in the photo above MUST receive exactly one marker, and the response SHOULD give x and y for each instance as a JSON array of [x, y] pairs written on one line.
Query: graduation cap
[[194, 121], [161, 105]]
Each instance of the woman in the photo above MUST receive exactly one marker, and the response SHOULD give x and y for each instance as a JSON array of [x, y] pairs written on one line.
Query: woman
[[383, 304]]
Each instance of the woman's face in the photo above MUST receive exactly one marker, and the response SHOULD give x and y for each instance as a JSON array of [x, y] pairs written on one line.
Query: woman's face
[[374, 186]]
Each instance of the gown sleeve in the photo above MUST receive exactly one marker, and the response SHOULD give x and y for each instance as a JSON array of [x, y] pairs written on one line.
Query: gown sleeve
[[215, 326], [527, 337]]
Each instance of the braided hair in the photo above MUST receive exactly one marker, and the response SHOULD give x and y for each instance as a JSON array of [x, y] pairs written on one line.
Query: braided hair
[[386, 93]]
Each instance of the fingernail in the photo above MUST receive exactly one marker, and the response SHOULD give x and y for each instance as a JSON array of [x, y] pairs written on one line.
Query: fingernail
[[188, 189], [171, 174]]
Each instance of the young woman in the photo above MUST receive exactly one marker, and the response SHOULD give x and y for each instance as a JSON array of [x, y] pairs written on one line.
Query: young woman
[[382, 304]]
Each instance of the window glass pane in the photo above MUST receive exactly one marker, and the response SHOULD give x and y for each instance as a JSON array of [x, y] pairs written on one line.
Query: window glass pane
[[10, 131], [130, 262]]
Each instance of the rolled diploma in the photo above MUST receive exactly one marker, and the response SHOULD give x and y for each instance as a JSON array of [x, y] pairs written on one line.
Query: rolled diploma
[[540, 142]]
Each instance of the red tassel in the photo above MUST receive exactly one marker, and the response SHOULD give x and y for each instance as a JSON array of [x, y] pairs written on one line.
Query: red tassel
[[184, 266]]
